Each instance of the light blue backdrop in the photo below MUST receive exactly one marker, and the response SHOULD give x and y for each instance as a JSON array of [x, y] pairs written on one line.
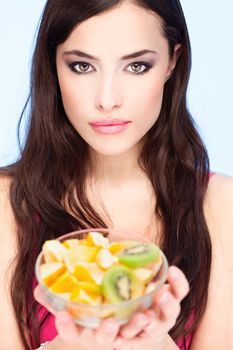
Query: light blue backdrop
[[210, 90]]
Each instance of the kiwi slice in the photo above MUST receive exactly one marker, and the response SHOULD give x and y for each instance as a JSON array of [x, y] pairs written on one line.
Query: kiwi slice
[[140, 255], [117, 284]]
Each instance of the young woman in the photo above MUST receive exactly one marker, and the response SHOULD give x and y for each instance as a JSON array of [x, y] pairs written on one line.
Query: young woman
[[111, 143]]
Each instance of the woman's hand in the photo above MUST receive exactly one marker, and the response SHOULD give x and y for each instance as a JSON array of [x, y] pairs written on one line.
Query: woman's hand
[[149, 330], [73, 337]]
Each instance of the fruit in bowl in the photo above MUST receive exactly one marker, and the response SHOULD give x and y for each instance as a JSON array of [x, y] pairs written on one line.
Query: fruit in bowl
[[100, 273]]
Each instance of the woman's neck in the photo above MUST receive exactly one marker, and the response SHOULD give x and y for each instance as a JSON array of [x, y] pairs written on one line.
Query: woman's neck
[[115, 170]]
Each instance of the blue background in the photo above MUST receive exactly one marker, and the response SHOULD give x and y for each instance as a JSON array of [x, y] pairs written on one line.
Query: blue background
[[210, 91]]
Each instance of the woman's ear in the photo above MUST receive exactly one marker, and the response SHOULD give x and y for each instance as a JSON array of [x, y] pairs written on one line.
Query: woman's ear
[[173, 60]]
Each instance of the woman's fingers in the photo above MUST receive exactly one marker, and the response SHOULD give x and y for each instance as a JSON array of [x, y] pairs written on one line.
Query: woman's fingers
[[178, 283], [65, 325], [153, 322], [136, 325], [40, 297], [107, 332], [67, 330], [166, 301], [70, 333], [148, 329], [167, 306]]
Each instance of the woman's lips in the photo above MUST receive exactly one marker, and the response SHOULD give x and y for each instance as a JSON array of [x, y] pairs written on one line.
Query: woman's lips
[[113, 126]]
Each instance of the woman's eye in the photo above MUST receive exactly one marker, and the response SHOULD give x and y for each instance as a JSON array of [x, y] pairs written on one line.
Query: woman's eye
[[140, 67], [80, 67], [137, 68]]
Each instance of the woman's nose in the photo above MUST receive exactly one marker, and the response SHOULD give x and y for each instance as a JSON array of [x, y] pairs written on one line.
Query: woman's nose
[[108, 96]]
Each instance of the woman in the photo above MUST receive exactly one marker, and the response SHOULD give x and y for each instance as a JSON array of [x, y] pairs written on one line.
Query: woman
[[110, 143]]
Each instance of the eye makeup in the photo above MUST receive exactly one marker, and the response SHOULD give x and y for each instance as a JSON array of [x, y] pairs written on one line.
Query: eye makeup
[[72, 66]]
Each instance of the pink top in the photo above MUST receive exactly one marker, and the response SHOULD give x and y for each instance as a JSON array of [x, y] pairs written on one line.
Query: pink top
[[48, 329], [188, 338]]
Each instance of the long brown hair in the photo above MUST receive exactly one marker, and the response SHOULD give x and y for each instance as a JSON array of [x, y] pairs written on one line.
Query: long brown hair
[[53, 164]]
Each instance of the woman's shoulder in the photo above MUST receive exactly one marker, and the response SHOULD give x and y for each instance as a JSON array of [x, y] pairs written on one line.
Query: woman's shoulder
[[5, 207], [5, 182], [220, 180], [7, 222], [8, 244], [218, 209], [219, 195], [218, 203]]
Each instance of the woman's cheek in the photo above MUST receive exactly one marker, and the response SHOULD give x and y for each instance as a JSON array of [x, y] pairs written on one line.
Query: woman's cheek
[[149, 100], [74, 99]]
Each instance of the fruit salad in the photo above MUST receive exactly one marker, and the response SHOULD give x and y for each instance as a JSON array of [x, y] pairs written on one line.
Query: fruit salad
[[95, 271]]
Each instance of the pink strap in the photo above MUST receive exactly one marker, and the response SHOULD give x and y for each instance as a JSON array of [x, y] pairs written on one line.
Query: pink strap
[[48, 329]]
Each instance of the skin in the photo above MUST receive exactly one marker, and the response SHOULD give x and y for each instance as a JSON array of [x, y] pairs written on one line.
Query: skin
[[110, 91]]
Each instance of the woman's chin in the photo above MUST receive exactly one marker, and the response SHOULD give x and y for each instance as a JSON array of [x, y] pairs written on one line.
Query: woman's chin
[[107, 151]]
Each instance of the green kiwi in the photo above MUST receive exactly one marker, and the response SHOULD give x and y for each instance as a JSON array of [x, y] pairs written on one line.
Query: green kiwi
[[117, 284], [139, 255]]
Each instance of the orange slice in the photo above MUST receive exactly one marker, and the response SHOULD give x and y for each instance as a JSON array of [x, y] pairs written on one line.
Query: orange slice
[[88, 272], [64, 284], [116, 247], [51, 271], [92, 288], [53, 251], [82, 273]]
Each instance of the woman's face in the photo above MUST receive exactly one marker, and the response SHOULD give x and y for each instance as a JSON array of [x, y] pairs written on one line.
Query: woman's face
[[111, 100]]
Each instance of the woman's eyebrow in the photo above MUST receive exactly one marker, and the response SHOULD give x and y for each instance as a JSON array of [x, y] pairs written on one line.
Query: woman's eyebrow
[[86, 55]]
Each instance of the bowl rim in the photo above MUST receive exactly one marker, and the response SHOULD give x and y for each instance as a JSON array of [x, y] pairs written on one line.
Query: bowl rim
[[101, 306]]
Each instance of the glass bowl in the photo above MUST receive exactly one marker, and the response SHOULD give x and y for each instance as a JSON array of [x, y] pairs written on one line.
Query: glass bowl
[[91, 316]]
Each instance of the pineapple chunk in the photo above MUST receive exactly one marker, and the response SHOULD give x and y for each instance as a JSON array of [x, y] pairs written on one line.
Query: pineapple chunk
[[105, 259], [53, 251], [82, 253], [96, 239]]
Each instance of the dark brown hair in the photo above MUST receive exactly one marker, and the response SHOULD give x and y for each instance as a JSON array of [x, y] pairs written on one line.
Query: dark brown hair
[[53, 165]]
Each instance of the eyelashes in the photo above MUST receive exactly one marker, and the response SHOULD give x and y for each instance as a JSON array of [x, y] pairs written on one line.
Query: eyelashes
[[82, 68]]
